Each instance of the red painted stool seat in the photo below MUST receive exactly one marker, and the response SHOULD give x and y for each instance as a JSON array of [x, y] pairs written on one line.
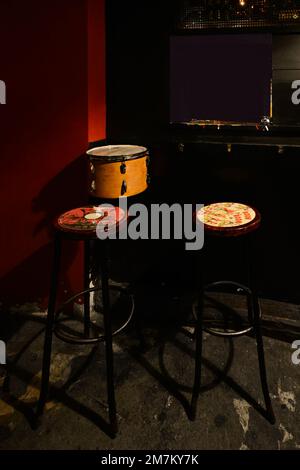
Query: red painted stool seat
[[83, 221]]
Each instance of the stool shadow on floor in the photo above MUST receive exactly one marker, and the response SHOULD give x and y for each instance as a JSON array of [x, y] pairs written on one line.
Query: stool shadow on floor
[[164, 378], [131, 343], [14, 370], [58, 394], [166, 319]]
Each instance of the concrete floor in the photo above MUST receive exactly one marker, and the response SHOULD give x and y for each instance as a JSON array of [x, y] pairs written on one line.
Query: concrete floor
[[152, 388]]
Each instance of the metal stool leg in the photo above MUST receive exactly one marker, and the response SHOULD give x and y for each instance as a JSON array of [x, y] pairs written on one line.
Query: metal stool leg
[[198, 341], [249, 281], [262, 363], [108, 341], [256, 318], [49, 328], [87, 317]]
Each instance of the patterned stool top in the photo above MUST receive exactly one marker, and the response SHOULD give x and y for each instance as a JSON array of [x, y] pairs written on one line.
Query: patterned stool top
[[226, 215], [86, 219]]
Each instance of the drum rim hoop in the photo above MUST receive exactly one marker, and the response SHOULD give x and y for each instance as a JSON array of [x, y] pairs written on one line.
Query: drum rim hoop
[[117, 158]]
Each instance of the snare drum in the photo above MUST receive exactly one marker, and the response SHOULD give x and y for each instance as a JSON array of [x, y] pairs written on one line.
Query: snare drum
[[118, 170]]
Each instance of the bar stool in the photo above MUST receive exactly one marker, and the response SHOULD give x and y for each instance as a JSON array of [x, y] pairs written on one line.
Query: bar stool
[[81, 224], [231, 220]]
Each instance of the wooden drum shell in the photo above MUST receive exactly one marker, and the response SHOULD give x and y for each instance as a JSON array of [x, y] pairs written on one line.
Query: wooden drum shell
[[107, 180]]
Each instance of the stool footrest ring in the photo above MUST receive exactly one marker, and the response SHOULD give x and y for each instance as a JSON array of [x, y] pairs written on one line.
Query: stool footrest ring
[[73, 339], [226, 334]]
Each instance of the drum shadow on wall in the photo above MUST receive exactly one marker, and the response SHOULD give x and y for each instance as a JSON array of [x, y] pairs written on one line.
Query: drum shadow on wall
[[29, 281], [67, 190]]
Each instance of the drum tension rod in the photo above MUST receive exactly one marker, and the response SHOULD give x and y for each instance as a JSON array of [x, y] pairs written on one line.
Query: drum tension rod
[[148, 180], [124, 188], [123, 168]]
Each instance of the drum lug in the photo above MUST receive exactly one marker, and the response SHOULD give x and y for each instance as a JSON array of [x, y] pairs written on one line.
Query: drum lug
[[148, 180], [123, 168], [124, 188]]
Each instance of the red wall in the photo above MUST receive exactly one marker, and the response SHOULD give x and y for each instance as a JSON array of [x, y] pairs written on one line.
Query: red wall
[[44, 132], [96, 70]]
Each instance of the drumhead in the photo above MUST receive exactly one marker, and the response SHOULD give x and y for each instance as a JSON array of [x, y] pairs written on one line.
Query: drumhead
[[116, 153]]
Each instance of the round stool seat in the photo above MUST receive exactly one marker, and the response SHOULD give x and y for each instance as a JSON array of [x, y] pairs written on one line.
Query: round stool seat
[[229, 219], [83, 221]]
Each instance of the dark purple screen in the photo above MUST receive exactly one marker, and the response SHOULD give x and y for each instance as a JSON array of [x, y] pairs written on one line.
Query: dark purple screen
[[223, 77]]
